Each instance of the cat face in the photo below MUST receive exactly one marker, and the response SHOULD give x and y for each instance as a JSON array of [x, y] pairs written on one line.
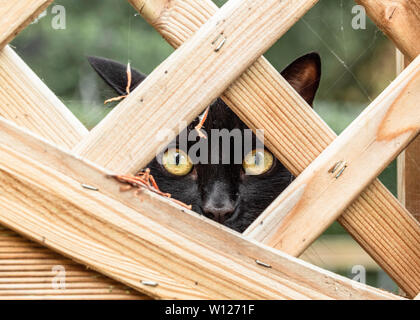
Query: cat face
[[231, 192], [226, 193]]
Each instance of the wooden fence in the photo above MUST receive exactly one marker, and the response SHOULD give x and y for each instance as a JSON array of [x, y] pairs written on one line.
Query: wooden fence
[[154, 248]]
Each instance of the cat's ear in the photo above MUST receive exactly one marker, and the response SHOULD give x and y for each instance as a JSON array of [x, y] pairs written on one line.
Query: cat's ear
[[115, 74], [304, 75]]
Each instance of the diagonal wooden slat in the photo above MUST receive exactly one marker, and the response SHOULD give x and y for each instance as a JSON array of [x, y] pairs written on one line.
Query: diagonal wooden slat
[[409, 183], [27, 101], [408, 169], [15, 15], [41, 187], [297, 135], [338, 252], [185, 83], [400, 20], [22, 280], [345, 168]]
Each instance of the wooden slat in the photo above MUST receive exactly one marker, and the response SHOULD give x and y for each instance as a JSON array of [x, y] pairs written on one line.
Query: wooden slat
[[408, 175], [27, 101], [5, 287], [400, 20], [185, 83], [15, 15], [338, 252], [297, 135], [80, 283], [89, 281], [362, 151], [41, 295], [186, 254]]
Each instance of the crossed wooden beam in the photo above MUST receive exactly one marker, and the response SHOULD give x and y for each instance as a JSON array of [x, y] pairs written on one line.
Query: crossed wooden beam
[[165, 251]]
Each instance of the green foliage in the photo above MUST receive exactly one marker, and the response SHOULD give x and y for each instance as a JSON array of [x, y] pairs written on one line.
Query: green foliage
[[104, 28]]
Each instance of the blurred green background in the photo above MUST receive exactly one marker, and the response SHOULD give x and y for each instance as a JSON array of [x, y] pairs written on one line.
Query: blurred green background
[[357, 66]]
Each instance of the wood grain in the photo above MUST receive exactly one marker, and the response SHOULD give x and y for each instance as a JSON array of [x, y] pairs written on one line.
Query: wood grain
[[15, 15], [297, 135], [399, 20], [181, 87], [26, 272], [132, 239], [28, 102], [411, 180], [364, 149], [338, 252], [408, 165]]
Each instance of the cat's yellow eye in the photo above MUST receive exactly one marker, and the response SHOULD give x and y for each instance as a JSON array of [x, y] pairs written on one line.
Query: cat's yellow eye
[[257, 162], [177, 162]]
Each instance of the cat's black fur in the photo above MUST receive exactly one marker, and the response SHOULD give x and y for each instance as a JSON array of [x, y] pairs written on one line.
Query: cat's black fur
[[222, 191]]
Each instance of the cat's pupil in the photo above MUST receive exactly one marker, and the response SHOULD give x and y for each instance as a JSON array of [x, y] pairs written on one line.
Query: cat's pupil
[[177, 159]]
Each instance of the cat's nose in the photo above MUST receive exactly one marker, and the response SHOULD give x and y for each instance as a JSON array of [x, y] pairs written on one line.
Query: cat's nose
[[219, 214]]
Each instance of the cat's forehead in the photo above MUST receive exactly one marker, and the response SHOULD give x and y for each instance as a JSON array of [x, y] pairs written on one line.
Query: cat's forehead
[[220, 121], [220, 117]]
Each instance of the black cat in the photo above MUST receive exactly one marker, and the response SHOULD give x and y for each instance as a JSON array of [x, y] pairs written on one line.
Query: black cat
[[233, 194]]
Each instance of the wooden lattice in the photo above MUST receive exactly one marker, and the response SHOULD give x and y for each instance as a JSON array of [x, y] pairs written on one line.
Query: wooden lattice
[[159, 248]]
